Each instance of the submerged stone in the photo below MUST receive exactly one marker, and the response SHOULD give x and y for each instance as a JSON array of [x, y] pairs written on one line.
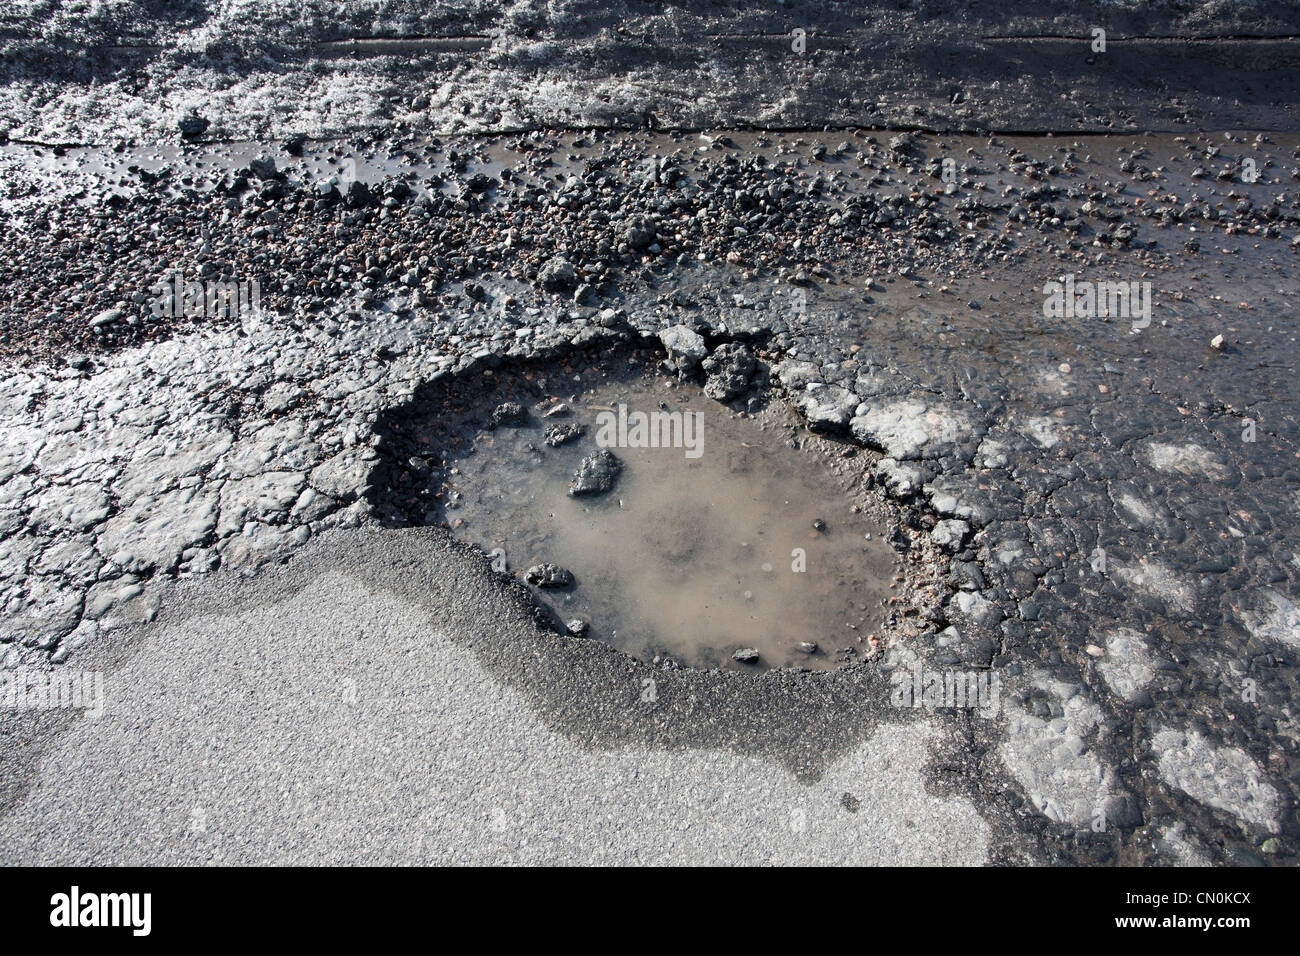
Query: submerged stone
[[558, 435], [596, 474], [691, 557], [508, 413], [548, 576]]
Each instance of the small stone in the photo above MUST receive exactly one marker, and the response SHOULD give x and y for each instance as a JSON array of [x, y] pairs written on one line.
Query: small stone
[[558, 435], [729, 369], [596, 474], [358, 195], [808, 647], [746, 655], [639, 235], [192, 125], [558, 275], [685, 346], [1122, 810], [902, 143], [263, 167], [548, 576], [577, 627], [1217, 342], [950, 533], [508, 413], [819, 524]]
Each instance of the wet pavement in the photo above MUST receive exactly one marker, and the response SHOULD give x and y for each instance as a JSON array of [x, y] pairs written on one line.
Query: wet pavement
[[723, 542]]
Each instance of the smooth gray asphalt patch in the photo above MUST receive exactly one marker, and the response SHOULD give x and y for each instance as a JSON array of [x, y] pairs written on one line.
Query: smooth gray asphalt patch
[[380, 700]]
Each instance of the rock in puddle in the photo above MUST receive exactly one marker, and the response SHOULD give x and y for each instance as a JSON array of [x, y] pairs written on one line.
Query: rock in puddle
[[548, 576], [558, 435], [596, 474], [508, 413]]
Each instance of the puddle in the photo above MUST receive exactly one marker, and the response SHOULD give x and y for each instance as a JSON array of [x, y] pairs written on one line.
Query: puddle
[[732, 540]]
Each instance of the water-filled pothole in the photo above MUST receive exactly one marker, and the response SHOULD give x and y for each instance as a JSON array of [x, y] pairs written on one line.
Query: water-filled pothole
[[721, 534]]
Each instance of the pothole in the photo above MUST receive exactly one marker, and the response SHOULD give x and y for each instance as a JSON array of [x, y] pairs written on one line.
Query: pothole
[[711, 538]]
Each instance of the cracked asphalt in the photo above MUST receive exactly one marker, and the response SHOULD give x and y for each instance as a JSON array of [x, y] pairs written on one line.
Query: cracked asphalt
[[203, 509]]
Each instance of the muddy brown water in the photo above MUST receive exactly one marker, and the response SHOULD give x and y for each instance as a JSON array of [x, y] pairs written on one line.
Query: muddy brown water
[[739, 541]]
